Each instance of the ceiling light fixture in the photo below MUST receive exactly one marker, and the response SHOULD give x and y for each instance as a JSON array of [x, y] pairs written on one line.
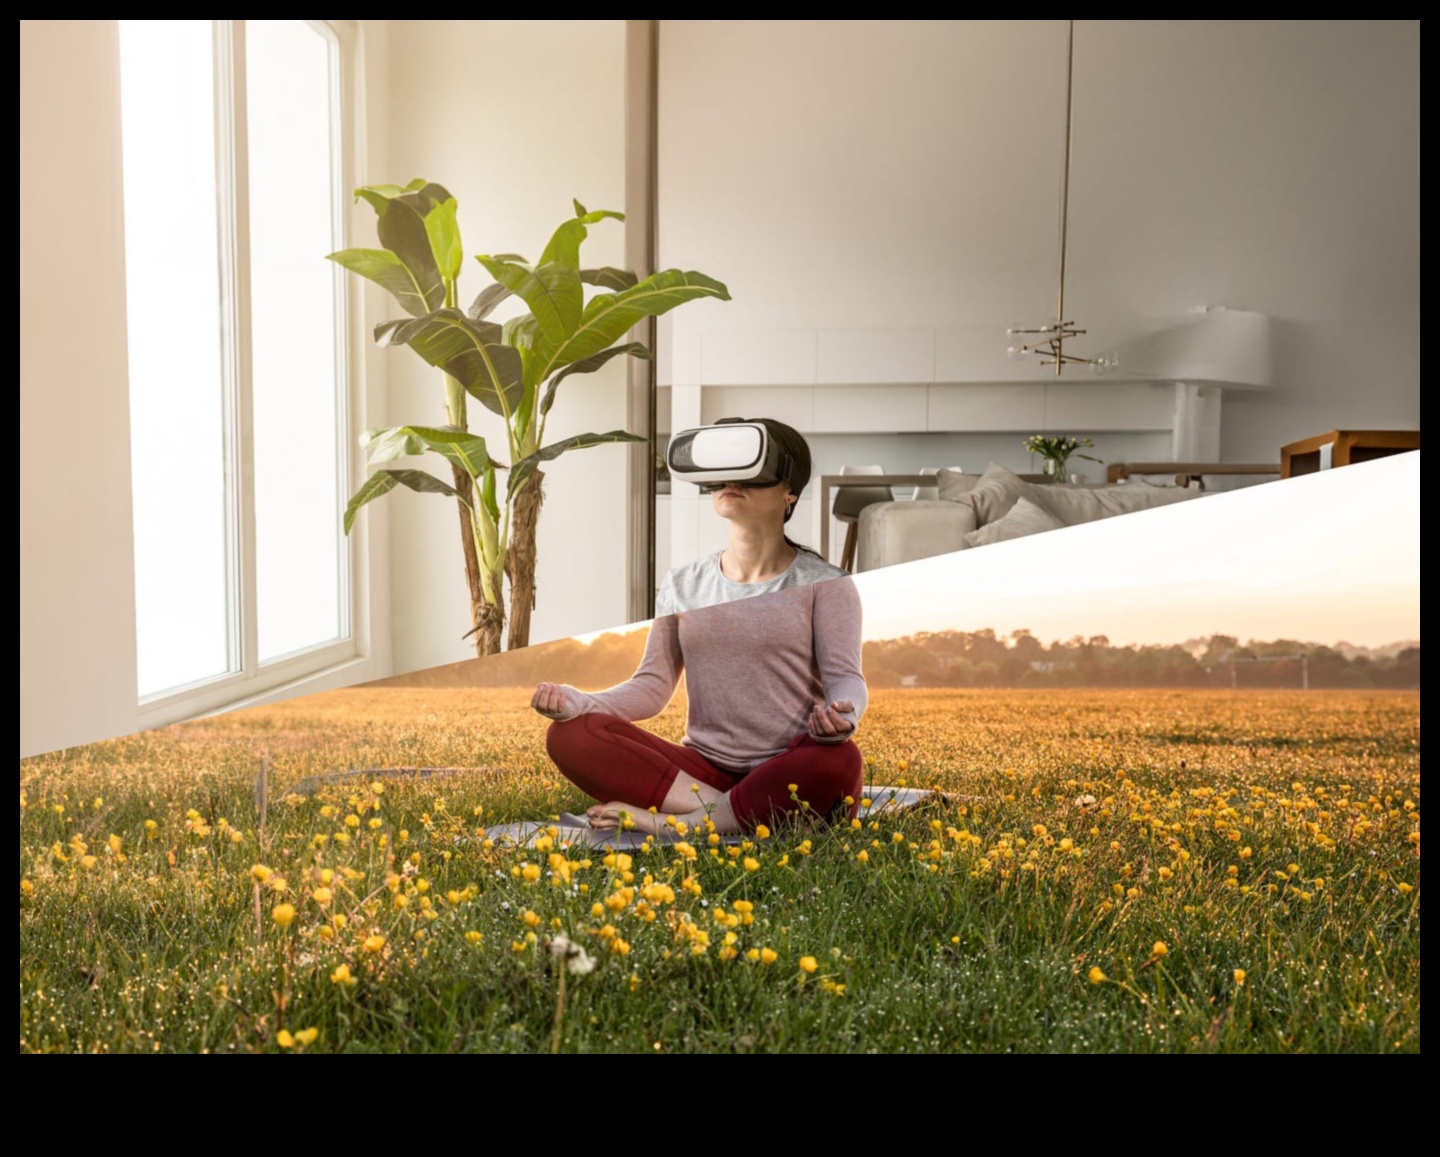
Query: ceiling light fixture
[[1050, 336]]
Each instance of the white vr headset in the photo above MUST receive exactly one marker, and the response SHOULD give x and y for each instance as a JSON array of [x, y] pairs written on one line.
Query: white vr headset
[[731, 451]]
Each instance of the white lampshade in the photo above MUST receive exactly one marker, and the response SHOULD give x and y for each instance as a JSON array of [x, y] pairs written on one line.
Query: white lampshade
[[1219, 346]]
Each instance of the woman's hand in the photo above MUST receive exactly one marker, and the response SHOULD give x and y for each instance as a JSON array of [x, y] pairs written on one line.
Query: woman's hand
[[827, 725], [549, 700]]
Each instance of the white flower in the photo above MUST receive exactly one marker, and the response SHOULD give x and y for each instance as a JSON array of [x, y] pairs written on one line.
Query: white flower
[[1085, 801], [577, 960]]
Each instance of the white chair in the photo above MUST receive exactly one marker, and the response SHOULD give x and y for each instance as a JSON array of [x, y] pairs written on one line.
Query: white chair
[[850, 501], [929, 493]]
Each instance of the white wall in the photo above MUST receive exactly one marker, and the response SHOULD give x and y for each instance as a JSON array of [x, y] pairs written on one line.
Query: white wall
[[77, 571], [515, 118], [879, 182], [77, 574]]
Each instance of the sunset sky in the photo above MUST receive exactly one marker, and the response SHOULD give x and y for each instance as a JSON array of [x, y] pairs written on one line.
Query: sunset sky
[[1324, 558]]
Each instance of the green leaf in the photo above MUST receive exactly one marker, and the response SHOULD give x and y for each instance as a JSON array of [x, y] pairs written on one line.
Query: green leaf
[[609, 277], [401, 223], [384, 481], [552, 291], [469, 351], [590, 365], [564, 246], [487, 299], [608, 316], [461, 447], [387, 271], [520, 332], [487, 493], [387, 443], [443, 232], [528, 465]]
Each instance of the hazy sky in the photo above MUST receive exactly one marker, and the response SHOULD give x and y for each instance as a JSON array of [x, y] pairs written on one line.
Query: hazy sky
[[1325, 558]]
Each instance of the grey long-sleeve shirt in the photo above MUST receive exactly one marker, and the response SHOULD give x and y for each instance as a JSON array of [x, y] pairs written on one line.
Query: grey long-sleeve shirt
[[754, 668]]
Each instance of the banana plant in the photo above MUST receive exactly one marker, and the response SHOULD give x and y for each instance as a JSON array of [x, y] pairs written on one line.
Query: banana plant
[[514, 370]]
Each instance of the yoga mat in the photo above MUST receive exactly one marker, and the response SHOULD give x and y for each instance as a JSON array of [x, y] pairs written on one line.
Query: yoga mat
[[572, 831]]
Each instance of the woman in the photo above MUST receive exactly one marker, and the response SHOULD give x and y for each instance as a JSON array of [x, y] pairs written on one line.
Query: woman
[[775, 687]]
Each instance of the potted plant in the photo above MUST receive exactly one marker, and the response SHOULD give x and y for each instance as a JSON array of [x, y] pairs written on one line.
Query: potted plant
[[1056, 452], [513, 370]]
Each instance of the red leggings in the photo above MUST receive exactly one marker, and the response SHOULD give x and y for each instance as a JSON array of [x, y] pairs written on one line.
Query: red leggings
[[611, 759]]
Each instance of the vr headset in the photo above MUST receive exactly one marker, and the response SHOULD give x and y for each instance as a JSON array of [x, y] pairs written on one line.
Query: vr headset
[[731, 451]]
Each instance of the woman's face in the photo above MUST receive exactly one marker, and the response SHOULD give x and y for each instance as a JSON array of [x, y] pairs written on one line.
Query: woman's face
[[761, 505]]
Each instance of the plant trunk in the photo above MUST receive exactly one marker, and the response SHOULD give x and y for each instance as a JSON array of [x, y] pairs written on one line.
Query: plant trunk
[[486, 621], [491, 621], [520, 560]]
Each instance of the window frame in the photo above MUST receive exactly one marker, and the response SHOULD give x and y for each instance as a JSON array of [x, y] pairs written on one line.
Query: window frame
[[284, 675]]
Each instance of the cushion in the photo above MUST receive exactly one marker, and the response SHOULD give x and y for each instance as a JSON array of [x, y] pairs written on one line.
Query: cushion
[[1161, 481], [997, 490], [1217, 483], [1025, 517], [1210, 483], [953, 483], [1073, 505]]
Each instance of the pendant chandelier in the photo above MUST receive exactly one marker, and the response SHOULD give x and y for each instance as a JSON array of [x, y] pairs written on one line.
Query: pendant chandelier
[[1049, 337]]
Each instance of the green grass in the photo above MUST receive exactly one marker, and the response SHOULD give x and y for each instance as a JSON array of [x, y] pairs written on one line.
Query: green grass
[[1271, 832]]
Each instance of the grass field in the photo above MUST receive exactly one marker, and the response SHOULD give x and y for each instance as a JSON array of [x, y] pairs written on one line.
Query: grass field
[[1144, 871]]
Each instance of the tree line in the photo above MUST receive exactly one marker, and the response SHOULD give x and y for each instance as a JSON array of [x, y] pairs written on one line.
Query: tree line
[[985, 659]]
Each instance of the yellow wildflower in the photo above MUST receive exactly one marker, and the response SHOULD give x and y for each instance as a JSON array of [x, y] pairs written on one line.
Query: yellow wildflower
[[1239, 975], [284, 1039], [1159, 949], [808, 964], [1097, 976], [283, 914], [374, 943]]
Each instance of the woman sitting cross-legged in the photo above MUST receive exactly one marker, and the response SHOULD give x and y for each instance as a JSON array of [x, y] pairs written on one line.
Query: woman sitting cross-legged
[[774, 684]]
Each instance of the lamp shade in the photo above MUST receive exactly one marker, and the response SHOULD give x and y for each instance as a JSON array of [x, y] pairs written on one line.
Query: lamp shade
[[1226, 347]]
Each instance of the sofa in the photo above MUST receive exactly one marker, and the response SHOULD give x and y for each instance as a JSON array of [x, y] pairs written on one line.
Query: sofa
[[998, 505]]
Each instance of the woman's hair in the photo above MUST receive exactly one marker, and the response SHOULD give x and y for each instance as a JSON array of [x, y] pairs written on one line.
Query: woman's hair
[[797, 450]]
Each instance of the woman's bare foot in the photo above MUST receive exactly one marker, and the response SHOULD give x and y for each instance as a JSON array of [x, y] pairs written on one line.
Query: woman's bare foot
[[618, 816]]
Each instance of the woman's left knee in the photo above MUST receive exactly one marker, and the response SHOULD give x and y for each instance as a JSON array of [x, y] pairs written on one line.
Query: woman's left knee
[[845, 754]]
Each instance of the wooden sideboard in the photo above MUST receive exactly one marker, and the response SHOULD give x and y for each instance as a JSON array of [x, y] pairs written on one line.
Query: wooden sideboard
[[1344, 448]]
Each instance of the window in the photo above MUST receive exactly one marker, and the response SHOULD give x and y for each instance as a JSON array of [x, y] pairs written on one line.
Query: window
[[238, 370]]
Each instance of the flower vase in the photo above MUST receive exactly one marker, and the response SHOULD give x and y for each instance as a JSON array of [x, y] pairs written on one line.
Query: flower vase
[[1055, 467]]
